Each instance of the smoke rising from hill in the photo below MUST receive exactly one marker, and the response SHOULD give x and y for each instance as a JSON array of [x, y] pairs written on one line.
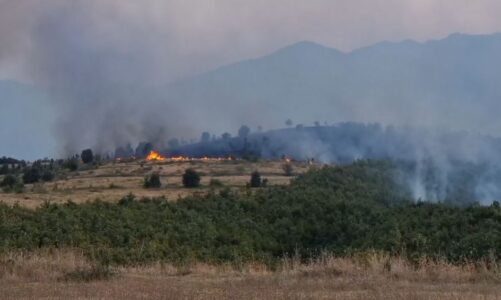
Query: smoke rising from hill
[[100, 59], [107, 65]]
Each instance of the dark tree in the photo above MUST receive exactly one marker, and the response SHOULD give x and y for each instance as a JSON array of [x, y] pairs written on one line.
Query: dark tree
[[289, 122], [226, 136], [4, 169], [9, 181], [31, 175], [71, 164], [87, 156], [288, 169], [244, 131], [152, 181], [47, 175], [205, 138], [255, 179], [191, 178]]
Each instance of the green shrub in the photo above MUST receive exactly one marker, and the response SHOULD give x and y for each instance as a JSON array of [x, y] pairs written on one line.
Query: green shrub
[[288, 169], [31, 175], [191, 178], [255, 180], [343, 210], [152, 181], [87, 156], [47, 175], [215, 183], [71, 164], [9, 181]]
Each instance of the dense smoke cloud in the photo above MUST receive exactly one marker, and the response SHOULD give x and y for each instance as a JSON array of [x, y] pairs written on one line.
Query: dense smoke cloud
[[99, 60]]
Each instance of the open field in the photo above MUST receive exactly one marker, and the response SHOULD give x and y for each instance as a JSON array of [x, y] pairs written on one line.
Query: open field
[[112, 181], [65, 275]]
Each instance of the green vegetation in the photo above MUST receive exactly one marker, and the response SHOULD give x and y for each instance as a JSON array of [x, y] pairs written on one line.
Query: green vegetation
[[215, 183], [87, 156], [152, 181], [340, 210], [10, 183], [288, 169], [191, 178], [255, 180]]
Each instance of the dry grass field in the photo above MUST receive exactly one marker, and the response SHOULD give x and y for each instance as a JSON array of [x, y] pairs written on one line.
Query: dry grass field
[[112, 181], [67, 275]]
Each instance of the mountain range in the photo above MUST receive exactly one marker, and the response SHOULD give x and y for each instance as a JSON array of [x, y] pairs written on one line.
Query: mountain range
[[448, 83], [452, 83]]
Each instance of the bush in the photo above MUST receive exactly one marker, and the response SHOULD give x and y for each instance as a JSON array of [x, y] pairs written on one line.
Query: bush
[[288, 169], [71, 164], [31, 175], [215, 183], [9, 181], [255, 179], [4, 169], [87, 156], [152, 181], [191, 178], [47, 175]]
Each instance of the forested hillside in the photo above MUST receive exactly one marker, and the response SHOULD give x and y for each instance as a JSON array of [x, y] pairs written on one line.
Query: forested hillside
[[340, 210]]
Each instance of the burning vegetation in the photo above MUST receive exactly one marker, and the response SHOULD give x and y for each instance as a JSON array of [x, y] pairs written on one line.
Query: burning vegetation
[[156, 156]]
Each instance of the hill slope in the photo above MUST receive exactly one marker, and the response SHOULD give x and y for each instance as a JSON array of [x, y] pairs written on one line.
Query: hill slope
[[450, 83]]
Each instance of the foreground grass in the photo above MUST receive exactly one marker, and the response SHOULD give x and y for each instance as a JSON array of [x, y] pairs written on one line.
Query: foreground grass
[[63, 274]]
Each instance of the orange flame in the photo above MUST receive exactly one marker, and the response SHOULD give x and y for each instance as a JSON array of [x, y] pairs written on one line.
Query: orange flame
[[155, 156]]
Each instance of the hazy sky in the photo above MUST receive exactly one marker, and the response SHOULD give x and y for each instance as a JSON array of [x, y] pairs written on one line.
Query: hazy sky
[[188, 37], [88, 54]]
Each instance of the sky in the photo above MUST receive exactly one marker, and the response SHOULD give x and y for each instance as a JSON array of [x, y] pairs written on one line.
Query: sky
[[189, 37], [83, 52]]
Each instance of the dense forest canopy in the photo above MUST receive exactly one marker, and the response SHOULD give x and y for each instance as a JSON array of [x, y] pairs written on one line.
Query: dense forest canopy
[[341, 210]]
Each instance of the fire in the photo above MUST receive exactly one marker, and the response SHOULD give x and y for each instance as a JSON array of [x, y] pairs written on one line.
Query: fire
[[155, 156]]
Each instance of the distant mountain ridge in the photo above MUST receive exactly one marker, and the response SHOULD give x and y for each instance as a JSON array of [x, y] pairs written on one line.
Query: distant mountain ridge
[[449, 83], [408, 82]]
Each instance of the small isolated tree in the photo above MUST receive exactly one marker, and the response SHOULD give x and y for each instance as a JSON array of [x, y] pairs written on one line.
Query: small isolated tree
[[191, 178], [205, 138], [87, 156], [255, 179], [289, 123], [152, 181], [244, 131], [288, 169]]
